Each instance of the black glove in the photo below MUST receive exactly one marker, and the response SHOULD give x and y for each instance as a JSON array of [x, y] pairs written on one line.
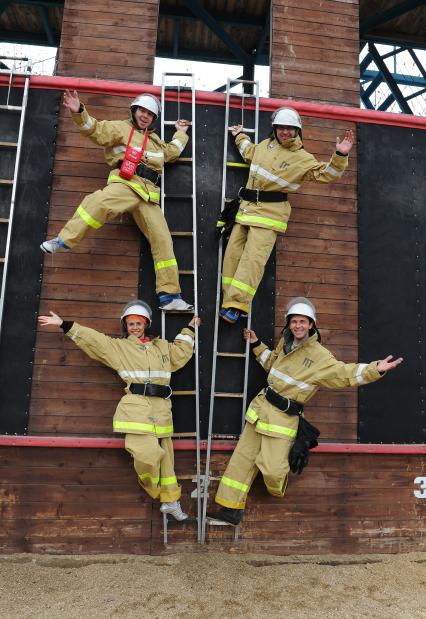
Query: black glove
[[306, 439]]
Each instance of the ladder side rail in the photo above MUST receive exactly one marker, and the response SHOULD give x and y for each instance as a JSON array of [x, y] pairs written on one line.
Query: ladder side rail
[[216, 322], [13, 198]]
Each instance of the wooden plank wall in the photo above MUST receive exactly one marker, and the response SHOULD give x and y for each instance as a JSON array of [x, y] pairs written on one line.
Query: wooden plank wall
[[314, 57], [72, 394], [68, 501]]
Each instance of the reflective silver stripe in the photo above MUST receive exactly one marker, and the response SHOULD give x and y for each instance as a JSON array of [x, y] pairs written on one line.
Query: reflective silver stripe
[[358, 376], [265, 356], [243, 145], [118, 149], [185, 338], [178, 143], [292, 381], [145, 374], [89, 124], [151, 153], [272, 177], [333, 171], [74, 335]]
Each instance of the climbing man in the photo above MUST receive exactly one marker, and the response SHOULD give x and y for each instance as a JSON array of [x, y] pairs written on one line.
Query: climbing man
[[278, 166], [136, 155], [144, 413], [270, 442]]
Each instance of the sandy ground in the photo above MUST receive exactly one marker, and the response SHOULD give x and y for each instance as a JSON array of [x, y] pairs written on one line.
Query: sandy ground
[[226, 586]]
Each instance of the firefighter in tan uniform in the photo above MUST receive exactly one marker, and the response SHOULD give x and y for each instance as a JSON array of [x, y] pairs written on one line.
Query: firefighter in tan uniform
[[144, 413], [278, 166], [297, 368], [136, 155]]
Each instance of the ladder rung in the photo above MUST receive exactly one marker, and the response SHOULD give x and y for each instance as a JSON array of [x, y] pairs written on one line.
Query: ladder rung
[[179, 88], [11, 108], [2, 259], [235, 164], [169, 122], [186, 272], [185, 435], [177, 196], [245, 130], [225, 437], [183, 392], [232, 354], [4, 220], [182, 233], [223, 394], [8, 144], [183, 160], [5, 181]]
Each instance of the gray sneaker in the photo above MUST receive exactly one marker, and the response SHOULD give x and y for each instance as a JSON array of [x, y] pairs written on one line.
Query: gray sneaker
[[177, 305], [174, 509], [53, 246]]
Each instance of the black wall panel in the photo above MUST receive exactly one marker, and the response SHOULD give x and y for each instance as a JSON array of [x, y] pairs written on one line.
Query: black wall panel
[[209, 156], [392, 277], [25, 259]]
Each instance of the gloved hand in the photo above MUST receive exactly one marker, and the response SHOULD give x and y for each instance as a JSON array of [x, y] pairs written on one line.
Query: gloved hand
[[306, 439]]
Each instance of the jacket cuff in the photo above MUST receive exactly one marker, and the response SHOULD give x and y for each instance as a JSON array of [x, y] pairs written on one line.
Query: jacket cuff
[[341, 154], [66, 325], [255, 344]]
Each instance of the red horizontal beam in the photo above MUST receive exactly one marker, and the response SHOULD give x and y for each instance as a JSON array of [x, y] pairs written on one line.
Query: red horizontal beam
[[127, 89], [188, 445]]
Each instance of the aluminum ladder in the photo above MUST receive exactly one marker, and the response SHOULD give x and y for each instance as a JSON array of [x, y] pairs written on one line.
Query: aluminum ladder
[[9, 107], [225, 347], [187, 238]]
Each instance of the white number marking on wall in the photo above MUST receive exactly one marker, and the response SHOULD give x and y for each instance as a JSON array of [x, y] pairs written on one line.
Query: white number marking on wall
[[420, 494]]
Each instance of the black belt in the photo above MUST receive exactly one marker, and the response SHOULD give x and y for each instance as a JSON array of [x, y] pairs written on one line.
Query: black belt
[[144, 172], [284, 404], [256, 195], [150, 389]]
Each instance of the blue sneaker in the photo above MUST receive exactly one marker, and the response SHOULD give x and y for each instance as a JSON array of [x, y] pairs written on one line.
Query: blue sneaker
[[229, 314]]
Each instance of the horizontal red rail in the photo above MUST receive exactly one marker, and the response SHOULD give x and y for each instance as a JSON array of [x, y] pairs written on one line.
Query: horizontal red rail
[[188, 445], [127, 89]]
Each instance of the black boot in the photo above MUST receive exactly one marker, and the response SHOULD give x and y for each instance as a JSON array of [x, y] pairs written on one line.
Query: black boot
[[226, 514]]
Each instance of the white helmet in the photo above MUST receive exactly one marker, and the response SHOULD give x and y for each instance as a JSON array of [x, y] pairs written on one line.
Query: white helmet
[[149, 102], [137, 307], [301, 306], [286, 116]]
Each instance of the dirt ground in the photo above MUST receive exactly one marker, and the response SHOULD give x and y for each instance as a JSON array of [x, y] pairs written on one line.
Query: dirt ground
[[226, 586]]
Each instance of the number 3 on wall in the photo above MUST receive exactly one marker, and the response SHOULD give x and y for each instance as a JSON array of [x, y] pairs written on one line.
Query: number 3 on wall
[[420, 494]]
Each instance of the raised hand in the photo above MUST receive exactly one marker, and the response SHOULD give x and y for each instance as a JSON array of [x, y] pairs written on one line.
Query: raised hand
[[235, 129], [389, 363], [71, 100], [346, 144], [182, 125], [196, 321], [53, 319]]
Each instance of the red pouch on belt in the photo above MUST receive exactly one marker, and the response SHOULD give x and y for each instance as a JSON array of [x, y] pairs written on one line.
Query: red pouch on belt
[[132, 157]]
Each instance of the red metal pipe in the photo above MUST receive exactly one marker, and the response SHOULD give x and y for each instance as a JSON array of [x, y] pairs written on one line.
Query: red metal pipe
[[127, 89], [74, 442]]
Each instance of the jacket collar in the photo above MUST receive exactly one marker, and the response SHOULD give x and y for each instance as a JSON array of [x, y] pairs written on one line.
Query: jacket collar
[[291, 144], [289, 339]]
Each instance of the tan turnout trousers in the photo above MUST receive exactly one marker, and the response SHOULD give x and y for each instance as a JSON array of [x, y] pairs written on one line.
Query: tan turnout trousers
[[108, 203], [255, 452], [154, 465], [246, 255]]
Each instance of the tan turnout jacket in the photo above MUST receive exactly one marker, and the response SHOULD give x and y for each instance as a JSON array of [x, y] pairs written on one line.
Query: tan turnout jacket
[[135, 362], [113, 136], [298, 375], [280, 167]]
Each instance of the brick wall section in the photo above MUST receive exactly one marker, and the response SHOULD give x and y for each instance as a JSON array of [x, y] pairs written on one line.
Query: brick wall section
[[314, 57]]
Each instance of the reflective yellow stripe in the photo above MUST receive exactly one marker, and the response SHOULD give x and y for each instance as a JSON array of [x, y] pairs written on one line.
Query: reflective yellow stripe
[[235, 484], [113, 178], [233, 164], [226, 280], [278, 489], [251, 414], [220, 224], [256, 219], [243, 286], [143, 427], [90, 221], [164, 264], [154, 480], [270, 427], [168, 481]]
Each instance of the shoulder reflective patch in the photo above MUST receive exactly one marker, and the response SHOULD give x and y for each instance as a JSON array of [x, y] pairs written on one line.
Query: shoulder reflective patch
[[88, 124], [243, 145], [333, 171], [185, 338], [265, 356], [178, 143]]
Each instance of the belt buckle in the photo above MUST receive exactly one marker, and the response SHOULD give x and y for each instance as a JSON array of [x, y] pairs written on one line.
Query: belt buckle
[[288, 405], [170, 394], [257, 195], [239, 193], [148, 382]]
